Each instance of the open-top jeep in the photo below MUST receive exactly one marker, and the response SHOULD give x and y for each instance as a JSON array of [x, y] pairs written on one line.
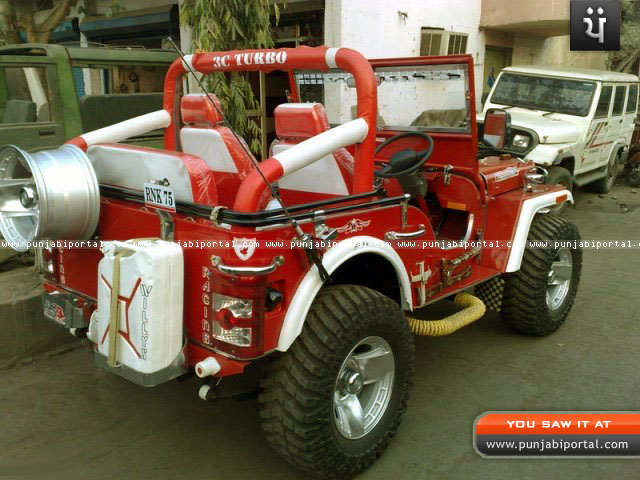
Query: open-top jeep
[[302, 270]]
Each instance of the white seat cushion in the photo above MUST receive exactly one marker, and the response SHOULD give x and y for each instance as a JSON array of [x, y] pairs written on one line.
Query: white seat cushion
[[322, 176], [129, 167], [209, 145]]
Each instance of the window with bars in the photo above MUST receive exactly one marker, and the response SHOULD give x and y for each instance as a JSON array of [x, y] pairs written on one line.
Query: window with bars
[[436, 41], [431, 41], [457, 43]]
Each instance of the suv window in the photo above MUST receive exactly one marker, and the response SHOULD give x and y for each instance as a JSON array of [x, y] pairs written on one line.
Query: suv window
[[603, 103], [113, 79], [632, 102], [24, 95], [618, 101]]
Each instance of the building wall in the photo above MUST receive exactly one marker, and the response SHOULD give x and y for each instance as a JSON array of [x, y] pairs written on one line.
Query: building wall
[[377, 30]]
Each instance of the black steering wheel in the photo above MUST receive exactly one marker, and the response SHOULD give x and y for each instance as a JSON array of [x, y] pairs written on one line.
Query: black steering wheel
[[405, 161]]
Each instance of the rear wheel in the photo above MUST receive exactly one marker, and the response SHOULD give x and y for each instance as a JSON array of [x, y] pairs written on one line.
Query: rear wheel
[[632, 170], [331, 404], [605, 184], [538, 297]]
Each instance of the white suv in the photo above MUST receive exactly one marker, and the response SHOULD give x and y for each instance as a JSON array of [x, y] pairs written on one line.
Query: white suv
[[576, 123]]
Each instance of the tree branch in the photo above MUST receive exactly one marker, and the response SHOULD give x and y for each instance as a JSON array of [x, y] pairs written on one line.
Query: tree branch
[[55, 18]]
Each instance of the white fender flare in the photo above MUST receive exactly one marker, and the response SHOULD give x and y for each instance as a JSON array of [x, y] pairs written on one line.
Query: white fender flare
[[333, 258], [529, 209]]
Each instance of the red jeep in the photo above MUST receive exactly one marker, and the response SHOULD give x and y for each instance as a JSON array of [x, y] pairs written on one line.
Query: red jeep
[[300, 272]]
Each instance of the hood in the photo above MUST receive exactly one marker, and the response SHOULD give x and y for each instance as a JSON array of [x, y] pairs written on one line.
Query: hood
[[551, 128]]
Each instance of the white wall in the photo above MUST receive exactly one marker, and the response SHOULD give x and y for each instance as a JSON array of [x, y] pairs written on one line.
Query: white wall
[[374, 27]]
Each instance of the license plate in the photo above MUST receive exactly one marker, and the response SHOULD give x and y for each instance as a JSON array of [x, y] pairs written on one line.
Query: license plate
[[54, 311], [159, 196]]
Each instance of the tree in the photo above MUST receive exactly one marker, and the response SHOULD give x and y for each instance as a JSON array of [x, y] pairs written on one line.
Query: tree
[[219, 25], [16, 15], [627, 58]]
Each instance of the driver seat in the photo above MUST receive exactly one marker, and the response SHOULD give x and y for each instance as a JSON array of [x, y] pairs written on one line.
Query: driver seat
[[331, 176]]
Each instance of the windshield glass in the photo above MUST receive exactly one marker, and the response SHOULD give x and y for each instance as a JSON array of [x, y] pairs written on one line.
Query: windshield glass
[[429, 97], [572, 97]]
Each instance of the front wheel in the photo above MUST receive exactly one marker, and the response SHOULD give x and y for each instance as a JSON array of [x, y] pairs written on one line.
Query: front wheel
[[538, 297], [331, 404], [560, 176]]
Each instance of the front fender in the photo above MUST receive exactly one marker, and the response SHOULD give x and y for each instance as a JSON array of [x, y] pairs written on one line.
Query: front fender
[[530, 208], [332, 259], [547, 154]]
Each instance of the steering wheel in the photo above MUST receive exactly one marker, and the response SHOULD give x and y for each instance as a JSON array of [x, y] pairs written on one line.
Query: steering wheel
[[405, 161]]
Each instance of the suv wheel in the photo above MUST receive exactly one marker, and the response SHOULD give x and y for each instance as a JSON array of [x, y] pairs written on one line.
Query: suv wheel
[[605, 184], [537, 298], [560, 176], [331, 404]]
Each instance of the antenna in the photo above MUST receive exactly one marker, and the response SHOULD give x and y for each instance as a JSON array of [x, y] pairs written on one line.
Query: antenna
[[310, 249]]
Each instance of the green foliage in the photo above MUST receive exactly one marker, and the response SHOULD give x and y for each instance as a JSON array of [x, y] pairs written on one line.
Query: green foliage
[[219, 25], [629, 54]]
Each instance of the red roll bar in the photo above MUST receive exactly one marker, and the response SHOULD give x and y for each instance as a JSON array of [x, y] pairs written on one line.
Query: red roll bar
[[285, 59]]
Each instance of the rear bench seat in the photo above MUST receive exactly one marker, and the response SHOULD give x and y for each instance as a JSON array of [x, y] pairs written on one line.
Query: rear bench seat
[[131, 167]]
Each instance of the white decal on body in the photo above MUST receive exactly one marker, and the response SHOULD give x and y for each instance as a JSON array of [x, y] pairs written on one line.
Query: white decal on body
[[244, 247], [354, 225], [506, 173]]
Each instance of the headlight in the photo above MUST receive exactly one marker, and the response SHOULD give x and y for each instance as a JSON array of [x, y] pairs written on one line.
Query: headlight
[[521, 141], [535, 176]]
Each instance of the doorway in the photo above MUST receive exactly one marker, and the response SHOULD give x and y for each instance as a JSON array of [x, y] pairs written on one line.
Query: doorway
[[495, 59]]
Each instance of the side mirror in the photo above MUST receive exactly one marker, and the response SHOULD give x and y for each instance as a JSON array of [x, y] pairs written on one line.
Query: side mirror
[[496, 128]]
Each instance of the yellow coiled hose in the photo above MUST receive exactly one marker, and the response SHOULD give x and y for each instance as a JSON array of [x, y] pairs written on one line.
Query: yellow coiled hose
[[473, 309]]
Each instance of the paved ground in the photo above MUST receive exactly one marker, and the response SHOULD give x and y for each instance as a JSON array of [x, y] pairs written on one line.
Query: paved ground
[[63, 418]]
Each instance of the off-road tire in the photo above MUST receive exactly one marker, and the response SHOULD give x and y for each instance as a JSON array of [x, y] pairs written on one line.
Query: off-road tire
[[560, 176], [524, 304], [605, 184], [296, 401]]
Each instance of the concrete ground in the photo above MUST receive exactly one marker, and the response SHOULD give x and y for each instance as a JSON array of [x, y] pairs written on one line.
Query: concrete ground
[[61, 417]]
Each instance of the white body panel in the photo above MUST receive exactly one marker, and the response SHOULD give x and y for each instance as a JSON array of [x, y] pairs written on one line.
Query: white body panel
[[332, 259], [151, 304]]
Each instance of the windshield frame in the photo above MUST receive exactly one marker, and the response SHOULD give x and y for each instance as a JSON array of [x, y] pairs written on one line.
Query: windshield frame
[[300, 77], [537, 107]]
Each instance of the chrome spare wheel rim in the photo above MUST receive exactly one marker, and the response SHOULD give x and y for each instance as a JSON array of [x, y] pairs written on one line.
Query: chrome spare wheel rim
[[51, 194], [363, 387], [559, 280]]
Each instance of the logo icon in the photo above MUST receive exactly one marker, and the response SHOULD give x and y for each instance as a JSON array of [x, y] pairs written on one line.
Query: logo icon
[[595, 25], [354, 225], [244, 247]]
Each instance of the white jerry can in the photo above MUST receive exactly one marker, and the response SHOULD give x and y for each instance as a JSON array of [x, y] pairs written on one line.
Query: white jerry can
[[146, 325]]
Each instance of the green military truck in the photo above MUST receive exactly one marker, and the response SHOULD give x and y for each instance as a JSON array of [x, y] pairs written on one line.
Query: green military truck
[[52, 93]]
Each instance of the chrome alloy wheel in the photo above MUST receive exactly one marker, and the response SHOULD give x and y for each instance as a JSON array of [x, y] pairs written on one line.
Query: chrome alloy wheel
[[559, 281], [363, 387]]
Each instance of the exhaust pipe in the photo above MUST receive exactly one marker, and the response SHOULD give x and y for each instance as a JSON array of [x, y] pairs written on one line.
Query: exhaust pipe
[[474, 309]]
